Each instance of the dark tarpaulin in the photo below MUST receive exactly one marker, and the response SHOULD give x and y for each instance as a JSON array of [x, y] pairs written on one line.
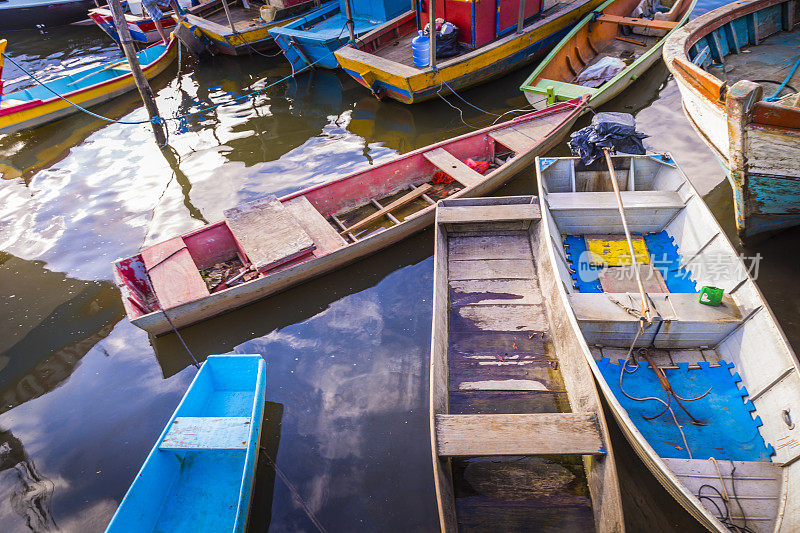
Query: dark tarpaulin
[[616, 131]]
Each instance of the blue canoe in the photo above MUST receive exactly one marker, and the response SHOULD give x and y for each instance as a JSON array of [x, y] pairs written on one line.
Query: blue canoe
[[312, 40], [199, 474]]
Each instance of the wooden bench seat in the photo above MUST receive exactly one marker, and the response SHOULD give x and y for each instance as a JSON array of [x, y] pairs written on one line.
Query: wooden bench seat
[[453, 167], [559, 201], [665, 25], [173, 273], [468, 214], [562, 90], [325, 237], [513, 140], [268, 233], [207, 433], [518, 434]]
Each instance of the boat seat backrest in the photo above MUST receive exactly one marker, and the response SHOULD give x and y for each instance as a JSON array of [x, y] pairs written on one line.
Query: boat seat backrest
[[610, 319]]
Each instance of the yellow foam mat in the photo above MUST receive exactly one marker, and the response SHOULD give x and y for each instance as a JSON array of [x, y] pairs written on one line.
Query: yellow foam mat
[[612, 250]]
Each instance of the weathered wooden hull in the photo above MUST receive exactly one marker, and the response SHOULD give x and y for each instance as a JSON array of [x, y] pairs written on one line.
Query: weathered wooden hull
[[32, 113], [492, 293], [555, 124], [410, 85], [758, 142], [577, 45], [199, 475], [762, 355]]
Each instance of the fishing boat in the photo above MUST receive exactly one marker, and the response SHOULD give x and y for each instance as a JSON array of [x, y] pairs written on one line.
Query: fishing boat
[[737, 71], [27, 108], [141, 26], [33, 14], [312, 40], [271, 244], [241, 29], [199, 474], [492, 45], [697, 372], [518, 434], [605, 52]]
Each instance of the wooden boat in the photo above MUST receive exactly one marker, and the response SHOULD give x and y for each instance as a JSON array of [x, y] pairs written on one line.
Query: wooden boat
[[306, 234], [142, 27], [31, 14], [381, 61], [604, 53], [730, 457], [728, 64], [245, 31], [199, 474], [28, 108], [312, 40], [513, 405]]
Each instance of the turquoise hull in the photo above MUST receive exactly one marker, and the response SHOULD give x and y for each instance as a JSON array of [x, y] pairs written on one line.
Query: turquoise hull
[[199, 474]]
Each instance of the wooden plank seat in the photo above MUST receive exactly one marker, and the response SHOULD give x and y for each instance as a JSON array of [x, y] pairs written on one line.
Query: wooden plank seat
[[513, 140], [665, 25], [471, 214], [605, 319], [454, 167], [194, 433], [518, 434], [173, 273], [561, 90], [268, 233], [607, 200], [321, 232]]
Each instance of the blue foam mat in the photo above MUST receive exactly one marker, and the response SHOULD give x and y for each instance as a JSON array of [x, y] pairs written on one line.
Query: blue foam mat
[[731, 433], [663, 254]]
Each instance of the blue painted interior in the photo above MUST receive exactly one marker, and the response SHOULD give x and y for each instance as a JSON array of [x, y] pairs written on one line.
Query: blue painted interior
[[62, 85], [663, 254], [208, 489], [731, 431]]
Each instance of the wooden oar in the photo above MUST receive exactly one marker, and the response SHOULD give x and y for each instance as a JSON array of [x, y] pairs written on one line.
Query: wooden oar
[[416, 193], [107, 67], [645, 312]]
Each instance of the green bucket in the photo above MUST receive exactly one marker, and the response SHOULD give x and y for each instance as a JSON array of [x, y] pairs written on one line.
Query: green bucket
[[711, 296]]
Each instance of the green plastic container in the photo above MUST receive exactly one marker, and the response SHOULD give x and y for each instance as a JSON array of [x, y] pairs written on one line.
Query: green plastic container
[[711, 296]]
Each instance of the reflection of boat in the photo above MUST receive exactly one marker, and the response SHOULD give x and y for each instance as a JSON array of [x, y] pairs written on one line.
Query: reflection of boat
[[29, 14], [311, 40], [728, 366], [382, 62], [272, 244], [511, 403], [31, 499], [596, 58], [28, 108], [245, 30], [199, 474], [56, 321], [727, 63]]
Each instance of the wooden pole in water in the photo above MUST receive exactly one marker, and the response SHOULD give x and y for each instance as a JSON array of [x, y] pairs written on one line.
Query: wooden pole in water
[[351, 27], [432, 31], [521, 16], [145, 90]]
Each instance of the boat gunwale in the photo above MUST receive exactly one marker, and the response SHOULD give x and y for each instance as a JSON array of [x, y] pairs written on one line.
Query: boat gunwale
[[156, 323], [665, 476]]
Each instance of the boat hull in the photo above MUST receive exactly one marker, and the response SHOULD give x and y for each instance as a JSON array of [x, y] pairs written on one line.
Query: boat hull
[[29, 17], [757, 142], [142, 29], [196, 478], [39, 112], [411, 85], [219, 302]]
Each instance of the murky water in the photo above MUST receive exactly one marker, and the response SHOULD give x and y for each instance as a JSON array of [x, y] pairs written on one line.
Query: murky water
[[85, 394]]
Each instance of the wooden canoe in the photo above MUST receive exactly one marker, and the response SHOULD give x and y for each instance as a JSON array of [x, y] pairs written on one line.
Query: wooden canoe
[[322, 228], [199, 474], [597, 37], [382, 59], [142, 27], [507, 385], [28, 108], [738, 464], [757, 140], [210, 23]]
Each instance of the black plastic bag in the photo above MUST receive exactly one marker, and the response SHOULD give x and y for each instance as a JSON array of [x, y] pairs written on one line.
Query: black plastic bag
[[616, 131], [448, 45]]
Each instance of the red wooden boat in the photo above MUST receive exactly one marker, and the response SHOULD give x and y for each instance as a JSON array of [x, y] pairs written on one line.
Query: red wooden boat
[[271, 244]]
